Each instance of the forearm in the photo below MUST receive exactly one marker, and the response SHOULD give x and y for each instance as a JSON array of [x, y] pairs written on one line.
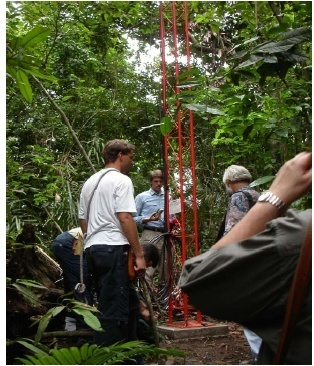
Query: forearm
[[140, 220], [83, 225], [292, 182], [253, 223], [145, 220]]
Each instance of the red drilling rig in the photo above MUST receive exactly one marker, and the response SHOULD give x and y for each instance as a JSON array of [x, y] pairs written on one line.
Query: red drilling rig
[[179, 156]]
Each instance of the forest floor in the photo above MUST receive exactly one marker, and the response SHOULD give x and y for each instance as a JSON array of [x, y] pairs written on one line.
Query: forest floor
[[230, 349]]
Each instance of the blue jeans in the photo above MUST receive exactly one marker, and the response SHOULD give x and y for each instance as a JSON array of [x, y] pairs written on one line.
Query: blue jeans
[[117, 298], [70, 264]]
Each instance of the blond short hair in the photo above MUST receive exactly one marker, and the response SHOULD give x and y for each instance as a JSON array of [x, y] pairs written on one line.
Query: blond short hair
[[237, 173]]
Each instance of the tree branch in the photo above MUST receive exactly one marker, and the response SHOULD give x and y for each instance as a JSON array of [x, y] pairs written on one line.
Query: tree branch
[[275, 11], [52, 219], [66, 120], [197, 45]]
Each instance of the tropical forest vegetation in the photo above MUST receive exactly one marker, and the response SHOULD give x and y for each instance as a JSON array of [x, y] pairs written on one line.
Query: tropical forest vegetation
[[80, 73]]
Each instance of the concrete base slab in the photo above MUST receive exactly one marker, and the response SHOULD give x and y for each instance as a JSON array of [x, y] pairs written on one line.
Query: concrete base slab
[[179, 331]]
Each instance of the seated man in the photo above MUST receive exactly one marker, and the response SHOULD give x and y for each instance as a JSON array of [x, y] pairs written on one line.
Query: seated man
[[246, 276]]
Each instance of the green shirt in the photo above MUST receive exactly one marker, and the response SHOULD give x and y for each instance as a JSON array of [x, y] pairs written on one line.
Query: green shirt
[[248, 282]]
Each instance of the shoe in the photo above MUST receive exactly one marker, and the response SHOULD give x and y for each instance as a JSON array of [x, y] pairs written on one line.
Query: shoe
[[70, 324]]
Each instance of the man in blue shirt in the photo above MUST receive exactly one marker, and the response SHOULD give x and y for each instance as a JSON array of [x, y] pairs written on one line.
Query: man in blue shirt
[[150, 219]]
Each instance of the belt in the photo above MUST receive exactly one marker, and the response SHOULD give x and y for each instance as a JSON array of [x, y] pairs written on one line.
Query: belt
[[161, 230]]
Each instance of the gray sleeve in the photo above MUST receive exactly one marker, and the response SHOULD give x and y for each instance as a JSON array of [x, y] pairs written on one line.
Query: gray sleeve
[[248, 279]]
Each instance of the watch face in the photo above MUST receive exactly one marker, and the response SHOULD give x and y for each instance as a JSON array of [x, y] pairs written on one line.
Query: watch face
[[263, 196]]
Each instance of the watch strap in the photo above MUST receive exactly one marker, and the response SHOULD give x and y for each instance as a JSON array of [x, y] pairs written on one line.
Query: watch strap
[[272, 199]]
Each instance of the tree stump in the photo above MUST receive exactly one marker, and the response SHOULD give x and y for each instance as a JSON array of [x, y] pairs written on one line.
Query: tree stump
[[30, 263]]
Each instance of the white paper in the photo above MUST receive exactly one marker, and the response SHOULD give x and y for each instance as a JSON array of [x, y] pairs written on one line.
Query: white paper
[[175, 206]]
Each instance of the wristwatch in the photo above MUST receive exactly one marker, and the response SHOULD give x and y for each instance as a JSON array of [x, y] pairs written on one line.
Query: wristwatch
[[272, 199]]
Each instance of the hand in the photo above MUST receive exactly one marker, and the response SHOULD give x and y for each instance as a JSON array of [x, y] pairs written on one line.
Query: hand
[[144, 312], [294, 178], [154, 217], [140, 267]]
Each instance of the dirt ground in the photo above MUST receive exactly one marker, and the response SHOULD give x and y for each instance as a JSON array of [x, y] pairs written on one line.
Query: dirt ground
[[231, 349]]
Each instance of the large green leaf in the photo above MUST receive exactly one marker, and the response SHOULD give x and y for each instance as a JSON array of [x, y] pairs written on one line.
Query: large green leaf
[[237, 55], [33, 37], [262, 180], [247, 132], [44, 321], [189, 73], [40, 75], [165, 125], [96, 355], [290, 38], [201, 108], [298, 35], [89, 318], [270, 59], [24, 85], [31, 283], [251, 61], [84, 351], [31, 347], [295, 55], [275, 47], [188, 84], [64, 356], [28, 294], [76, 354]]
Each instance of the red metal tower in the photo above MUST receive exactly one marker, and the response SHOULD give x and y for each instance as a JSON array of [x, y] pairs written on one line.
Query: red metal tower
[[179, 154]]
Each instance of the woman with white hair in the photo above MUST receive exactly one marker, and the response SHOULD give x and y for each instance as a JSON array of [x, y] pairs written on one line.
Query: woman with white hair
[[237, 179]]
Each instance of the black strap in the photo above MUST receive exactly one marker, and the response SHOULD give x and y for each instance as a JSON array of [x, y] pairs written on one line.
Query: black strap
[[249, 197]]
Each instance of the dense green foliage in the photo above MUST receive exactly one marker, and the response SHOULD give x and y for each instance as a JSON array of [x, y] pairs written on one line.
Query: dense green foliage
[[91, 354], [74, 82]]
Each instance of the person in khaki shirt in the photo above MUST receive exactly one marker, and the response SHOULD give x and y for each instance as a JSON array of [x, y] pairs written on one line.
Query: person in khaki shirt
[[246, 276]]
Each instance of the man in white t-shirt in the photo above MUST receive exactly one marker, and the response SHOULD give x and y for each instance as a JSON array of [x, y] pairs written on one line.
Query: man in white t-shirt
[[106, 215]]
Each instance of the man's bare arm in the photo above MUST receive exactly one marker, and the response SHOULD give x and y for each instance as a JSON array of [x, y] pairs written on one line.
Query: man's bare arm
[[83, 225], [130, 231]]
